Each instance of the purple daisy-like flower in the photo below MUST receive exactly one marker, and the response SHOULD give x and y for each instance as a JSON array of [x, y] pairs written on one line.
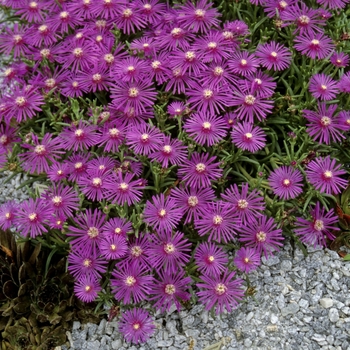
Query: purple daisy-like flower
[[312, 232], [198, 18], [13, 38], [340, 59], [250, 105], [129, 18], [247, 205], [200, 170], [169, 251], [62, 200], [262, 235], [31, 11], [243, 63], [103, 164], [272, 6], [88, 233], [259, 84], [274, 56], [116, 226], [177, 80], [333, 4], [78, 137], [248, 137], [344, 83], [113, 247], [82, 263], [192, 201], [86, 288], [322, 86], [131, 284], [136, 325], [344, 120], [170, 290], [210, 259], [171, 151], [23, 104], [122, 188], [208, 98], [162, 213], [305, 18], [188, 61], [218, 220], [206, 128], [324, 174], [8, 212], [111, 136], [218, 73], [94, 184], [175, 37], [286, 182], [247, 259], [40, 153], [95, 79], [145, 139], [130, 69], [72, 87], [58, 171], [314, 45], [220, 291], [31, 217], [78, 164], [324, 126], [136, 95]]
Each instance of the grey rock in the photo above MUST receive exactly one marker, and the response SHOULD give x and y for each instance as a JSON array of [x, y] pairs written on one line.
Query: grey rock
[[101, 327], [286, 265], [76, 325], [116, 344], [93, 345], [165, 343], [248, 343], [333, 315], [290, 309], [273, 319], [326, 302]]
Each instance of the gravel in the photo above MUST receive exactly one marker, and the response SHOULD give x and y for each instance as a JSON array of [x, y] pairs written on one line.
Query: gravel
[[300, 303]]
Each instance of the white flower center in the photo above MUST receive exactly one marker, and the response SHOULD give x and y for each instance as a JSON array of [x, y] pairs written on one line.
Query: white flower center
[[261, 236]]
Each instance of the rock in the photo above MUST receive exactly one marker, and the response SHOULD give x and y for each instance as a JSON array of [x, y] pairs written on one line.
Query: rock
[[273, 319], [101, 326], [290, 309], [326, 302], [93, 345], [248, 343], [286, 265], [165, 343], [116, 344], [76, 325], [333, 315]]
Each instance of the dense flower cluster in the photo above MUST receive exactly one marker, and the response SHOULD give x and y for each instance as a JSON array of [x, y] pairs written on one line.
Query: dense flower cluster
[[147, 135]]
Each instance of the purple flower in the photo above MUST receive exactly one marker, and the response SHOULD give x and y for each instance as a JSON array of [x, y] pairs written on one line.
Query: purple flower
[[8, 212], [131, 284], [31, 217], [248, 137], [62, 200], [94, 184], [192, 201], [199, 18], [312, 232], [162, 214], [175, 37], [116, 226], [78, 137], [306, 19], [82, 263], [250, 105], [324, 174], [177, 79], [129, 18], [171, 151], [111, 136], [344, 120], [40, 154], [187, 61], [333, 4], [23, 104], [260, 84], [210, 259], [71, 87], [86, 288], [220, 291], [159, 67], [286, 182], [169, 251], [324, 126], [63, 20], [218, 73], [102, 164], [272, 6], [206, 128], [170, 290], [274, 56], [248, 206], [31, 11], [95, 79], [88, 232], [136, 95], [323, 87], [113, 247], [78, 164], [130, 69], [200, 170], [340, 60], [218, 221], [136, 325], [247, 259], [13, 38], [262, 235], [58, 171], [314, 45], [144, 139], [344, 83], [243, 63]]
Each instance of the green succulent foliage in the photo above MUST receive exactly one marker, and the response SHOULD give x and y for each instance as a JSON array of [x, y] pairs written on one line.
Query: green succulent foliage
[[37, 303]]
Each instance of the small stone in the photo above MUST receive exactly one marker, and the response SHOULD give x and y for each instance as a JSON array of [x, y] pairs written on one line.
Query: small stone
[[273, 319], [333, 315], [250, 316], [101, 326], [271, 261], [165, 343], [76, 325], [307, 319], [304, 304], [116, 344], [319, 338], [204, 316], [291, 308], [330, 339], [248, 343], [326, 302], [194, 333], [93, 345], [187, 321]]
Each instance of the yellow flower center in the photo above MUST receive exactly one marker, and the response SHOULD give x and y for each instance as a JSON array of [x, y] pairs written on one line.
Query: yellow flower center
[[190, 56], [169, 248], [124, 186], [200, 168], [218, 71], [249, 100], [97, 78], [207, 93], [8, 215], [99, 38], [315, 42], [212, 45], [136, 251], [242, 204], [133, 92], [87, 262], [170, 289], [243, 62], [33, 5], [192, 201], [130, 281], [78, 165], [78, 52], [199, 13], [93, 232], [127, 13], [79, 35], [57, 200], [217, 220], [79, 133], [220, 289], [162, 213], [155, 64], [64, 15], [96, 181], [108, 57], [17, 39], [274, 54], [176, 32], [113, 247], [248, 136], [325, 121], [328, 174], [246, 260], [40, 149], [318, 225], [206, 126], [167, 149], [283, 4], [43, 28], [211, 258], [136, 326], [50, 83], [87, 288], [304, 19], [32, 216], [261, 236], [323, 87], [20, 101], [286, 182], [144, 137], [75, 84]]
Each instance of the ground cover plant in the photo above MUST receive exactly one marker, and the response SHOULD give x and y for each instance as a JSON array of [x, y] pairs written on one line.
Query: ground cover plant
[[175, 143]]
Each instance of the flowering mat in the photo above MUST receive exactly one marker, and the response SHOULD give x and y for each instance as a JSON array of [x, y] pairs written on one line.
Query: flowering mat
[[175, 143]]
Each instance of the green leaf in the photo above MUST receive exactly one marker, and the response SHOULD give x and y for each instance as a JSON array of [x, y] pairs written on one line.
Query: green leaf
[[347, 257]]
